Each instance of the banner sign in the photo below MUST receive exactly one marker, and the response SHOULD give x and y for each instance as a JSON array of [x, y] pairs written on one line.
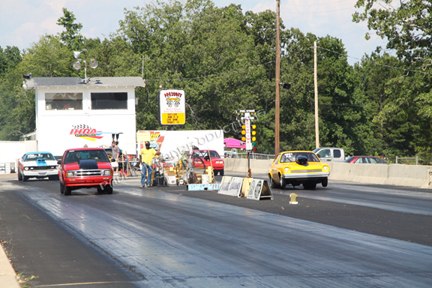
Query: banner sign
[[231, 186], [172, 107], [203, 187], [259, 189]]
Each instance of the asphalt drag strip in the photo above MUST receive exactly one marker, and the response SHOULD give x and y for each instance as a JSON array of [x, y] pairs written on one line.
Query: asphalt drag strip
[[403, 226], [76, 264]]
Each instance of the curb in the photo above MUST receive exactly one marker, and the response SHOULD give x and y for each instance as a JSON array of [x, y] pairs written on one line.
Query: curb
[[7, 273]]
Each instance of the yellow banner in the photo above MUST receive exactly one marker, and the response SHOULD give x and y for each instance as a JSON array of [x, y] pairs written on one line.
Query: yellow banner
[[173, 118]]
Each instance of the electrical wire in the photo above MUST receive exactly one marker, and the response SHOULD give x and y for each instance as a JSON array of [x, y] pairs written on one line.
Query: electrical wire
[[273, 61], [379, 64], [209, 76], [319, 12], [316, 4]]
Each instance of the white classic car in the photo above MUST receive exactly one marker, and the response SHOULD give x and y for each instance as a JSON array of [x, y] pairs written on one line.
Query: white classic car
[[37, 164]]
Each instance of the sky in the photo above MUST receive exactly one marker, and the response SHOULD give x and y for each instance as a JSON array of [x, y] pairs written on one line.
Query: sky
[[22, 22]]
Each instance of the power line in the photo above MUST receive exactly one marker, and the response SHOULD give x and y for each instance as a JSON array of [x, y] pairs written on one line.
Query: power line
[[220, 74], [210, 76], [270, 62], [379, 64], [316, 4], [320, 12]]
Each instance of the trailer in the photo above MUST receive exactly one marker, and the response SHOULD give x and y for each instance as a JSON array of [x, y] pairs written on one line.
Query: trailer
[[172, 144]]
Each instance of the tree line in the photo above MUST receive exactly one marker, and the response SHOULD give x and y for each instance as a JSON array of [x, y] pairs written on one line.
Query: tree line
[[224, 59]]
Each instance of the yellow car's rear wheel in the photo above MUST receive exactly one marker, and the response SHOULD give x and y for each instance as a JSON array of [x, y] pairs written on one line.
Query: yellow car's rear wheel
[[272, 183]]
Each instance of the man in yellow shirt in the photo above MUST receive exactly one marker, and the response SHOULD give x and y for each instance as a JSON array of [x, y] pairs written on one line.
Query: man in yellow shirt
[[146, 158]]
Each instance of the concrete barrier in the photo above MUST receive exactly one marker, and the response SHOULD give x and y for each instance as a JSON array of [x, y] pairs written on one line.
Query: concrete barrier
[[393, 174], [360, 173], [409, 175], [229, 164], [240, 165]]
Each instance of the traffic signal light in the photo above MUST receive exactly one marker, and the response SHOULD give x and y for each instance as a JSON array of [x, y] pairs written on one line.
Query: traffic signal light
[[253, 134], [243, 133]]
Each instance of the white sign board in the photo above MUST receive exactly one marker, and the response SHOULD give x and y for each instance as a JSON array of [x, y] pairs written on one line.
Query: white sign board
[[231, 186], [172, 107], [259, 189]]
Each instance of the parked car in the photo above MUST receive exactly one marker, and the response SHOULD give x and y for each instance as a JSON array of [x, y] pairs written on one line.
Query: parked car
[[37, 164], [298, 167], [330, 154], [365, 160], [230, 154], [85, 168], [201, 158]]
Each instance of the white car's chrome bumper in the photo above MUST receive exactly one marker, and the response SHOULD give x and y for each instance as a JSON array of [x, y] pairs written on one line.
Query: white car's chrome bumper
[[40, 173]]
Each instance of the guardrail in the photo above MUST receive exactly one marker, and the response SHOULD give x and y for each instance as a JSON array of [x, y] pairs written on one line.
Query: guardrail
[[407, 160], [394, 174], [254, 156]]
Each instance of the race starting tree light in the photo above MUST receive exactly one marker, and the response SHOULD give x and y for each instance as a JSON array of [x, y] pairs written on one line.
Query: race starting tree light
[[253, 134], [248, 132], [242, 135]]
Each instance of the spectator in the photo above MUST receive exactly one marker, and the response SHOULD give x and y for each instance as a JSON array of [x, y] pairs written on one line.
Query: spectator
[[115, 154], [146, 158]]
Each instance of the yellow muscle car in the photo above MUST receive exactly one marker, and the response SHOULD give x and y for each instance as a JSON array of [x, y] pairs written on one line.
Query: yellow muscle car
[[298, 167]]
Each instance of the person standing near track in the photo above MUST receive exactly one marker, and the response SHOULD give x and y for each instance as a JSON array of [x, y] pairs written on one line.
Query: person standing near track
[[146, 158], [115, 154]]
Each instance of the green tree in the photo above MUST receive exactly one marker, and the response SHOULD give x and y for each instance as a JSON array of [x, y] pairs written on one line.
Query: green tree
[[338, 113], [199, 48], [405, 118], [47, 58], [373, 74], [406, 25], [71, 37], [17, 108], [9, 59]]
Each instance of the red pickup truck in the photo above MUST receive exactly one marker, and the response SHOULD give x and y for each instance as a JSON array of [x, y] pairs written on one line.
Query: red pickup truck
[[208, 158], [85, 168]]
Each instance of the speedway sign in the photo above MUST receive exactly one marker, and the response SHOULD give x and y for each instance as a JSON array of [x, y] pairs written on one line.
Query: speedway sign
[[172, 107]]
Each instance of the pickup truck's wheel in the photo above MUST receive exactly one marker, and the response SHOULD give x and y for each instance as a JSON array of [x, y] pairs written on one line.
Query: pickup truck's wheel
[[309, 185], [221, 173], [25, 178], [19, 176], [108, 189], [66, 190], [53, 177], [61, 188]]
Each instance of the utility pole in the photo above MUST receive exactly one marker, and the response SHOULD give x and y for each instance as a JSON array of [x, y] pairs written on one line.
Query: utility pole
[[317, 143], [277, 77]]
